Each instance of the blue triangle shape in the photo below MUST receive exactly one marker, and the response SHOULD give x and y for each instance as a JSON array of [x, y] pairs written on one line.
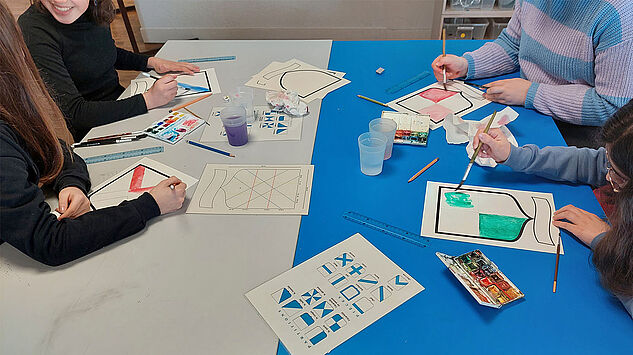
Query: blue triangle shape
[[292, 304], [326, 312], [285, 294], [320, 305]]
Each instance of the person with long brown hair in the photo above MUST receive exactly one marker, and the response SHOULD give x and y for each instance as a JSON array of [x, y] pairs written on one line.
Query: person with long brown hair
[[609, 166], [72, 46], [34, 153]]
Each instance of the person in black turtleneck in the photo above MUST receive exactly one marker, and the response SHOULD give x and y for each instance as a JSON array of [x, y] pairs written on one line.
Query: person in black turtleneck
[[72, 46]]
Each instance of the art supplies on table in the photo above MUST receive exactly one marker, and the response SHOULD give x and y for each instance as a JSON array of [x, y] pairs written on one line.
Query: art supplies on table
[[394, 89], [210, 148], [199, 89], [490, 216], [412, 128], [253, 189], [123, 155], [209, 59], [189, 103], [433, 100], [307, 80], [386, 228], [267, 126], [327, 299], [206, 79], [482, 278], [108, 141], [423, 169], [133, 181], [476, 152], [174, 127], [372, 100]]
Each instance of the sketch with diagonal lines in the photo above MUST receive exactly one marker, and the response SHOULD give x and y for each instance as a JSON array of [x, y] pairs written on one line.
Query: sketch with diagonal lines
[[253, 189]]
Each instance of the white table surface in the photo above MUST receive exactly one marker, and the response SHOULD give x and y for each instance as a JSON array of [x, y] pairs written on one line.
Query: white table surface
[[178, 286]]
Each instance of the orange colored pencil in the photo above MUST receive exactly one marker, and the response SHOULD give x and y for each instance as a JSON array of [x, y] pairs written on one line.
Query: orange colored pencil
[[190, 102], [423, 169]]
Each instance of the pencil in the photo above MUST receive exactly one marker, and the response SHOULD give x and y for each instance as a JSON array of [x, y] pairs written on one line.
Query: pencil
[[444, 55], [556, 267], [423, 169], [211, 149], [191, 112], [372, 100], [190, 102]]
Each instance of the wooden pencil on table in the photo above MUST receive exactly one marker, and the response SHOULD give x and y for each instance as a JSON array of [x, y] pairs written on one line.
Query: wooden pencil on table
[[372, 100], [423, 169], [190, 102], [556, 267]]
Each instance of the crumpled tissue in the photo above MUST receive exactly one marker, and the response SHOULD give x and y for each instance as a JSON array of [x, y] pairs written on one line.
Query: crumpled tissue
[[287, 101]]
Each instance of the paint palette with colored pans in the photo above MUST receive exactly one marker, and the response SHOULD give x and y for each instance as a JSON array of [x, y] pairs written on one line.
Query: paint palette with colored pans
[[482, 278], [174, 127], [412, 129]]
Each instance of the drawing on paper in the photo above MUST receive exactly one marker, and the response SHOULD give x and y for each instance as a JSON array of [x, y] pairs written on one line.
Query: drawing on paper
[[205, 79], [329, 298], [459, 99], [510, 218], [267, 126], [133, 182], [252, 189], [308, 81]]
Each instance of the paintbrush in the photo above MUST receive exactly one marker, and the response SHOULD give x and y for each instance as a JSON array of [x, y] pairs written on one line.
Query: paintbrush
[[476, 153], [556, 267], [444, 55]]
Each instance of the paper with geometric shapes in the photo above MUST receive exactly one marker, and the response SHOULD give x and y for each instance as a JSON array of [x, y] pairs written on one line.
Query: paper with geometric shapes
[[206, 79], [308, 81], [490, 216], [268, 126], [253, 189], [132, 182], [459, 99], [327, 299]]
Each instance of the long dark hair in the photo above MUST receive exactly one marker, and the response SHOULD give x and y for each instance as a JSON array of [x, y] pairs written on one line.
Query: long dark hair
[[613, 255], [25, 104], [101, 11]]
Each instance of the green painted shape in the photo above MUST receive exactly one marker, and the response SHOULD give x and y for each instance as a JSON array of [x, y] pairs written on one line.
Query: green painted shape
[[506, 228], [458, 199]]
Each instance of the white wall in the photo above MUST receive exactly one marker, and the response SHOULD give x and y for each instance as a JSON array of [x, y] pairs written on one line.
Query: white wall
[[287, 19]]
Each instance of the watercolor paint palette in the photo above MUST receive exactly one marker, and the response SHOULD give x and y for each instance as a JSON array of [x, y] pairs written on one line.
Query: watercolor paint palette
[[174, 127], [482, 278], [412, 129]]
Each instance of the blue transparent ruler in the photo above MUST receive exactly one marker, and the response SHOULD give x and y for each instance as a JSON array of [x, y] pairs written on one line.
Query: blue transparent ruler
[[122, 155], [210, 59], [386, 228], [407, 82]]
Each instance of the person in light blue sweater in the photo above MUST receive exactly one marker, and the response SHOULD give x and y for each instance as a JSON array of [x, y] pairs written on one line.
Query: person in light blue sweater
[[612, 243]]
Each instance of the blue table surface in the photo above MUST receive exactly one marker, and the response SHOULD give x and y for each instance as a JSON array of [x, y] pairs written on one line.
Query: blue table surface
[[580, 317]]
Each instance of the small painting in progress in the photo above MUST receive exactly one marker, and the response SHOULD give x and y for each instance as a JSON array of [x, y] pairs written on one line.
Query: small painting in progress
[[132, 182], [490, 216], [482, 278], [253, 189], [327, 299], [459, 99], [205, 79]]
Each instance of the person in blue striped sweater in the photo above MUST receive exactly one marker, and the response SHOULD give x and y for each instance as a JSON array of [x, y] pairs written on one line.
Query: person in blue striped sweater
[[612, 243], [575, 58]]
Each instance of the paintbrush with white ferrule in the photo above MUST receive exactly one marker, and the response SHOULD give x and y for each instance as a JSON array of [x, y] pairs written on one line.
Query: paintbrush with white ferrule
[[444, 55], [476, 153]]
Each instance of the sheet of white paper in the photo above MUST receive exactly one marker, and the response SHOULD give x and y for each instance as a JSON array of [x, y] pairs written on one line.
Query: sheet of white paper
[[460, 131], [132, 182], [459, 99], [307, 80], [490, 216], [253, 189], [327, 299], [268, 126], [205, 78]]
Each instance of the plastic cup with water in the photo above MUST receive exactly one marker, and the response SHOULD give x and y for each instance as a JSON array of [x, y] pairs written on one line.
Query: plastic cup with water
[[372, 151], [387, 127]]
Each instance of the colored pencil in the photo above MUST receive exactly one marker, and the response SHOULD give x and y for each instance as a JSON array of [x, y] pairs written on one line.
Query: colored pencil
[[423, 169], [476, 153], [556, 267], [444, 55], [211, 149], [190, 102], [372, 100], [182, 85], [209, 59]]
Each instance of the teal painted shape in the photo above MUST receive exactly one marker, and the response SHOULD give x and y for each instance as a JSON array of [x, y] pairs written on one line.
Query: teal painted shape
[[458, 199], [499, 227]]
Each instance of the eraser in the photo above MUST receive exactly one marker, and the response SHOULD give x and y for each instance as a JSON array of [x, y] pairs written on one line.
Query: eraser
[[380, 70]]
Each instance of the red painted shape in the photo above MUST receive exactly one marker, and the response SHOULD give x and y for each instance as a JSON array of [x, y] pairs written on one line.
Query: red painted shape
[[137, 180], [437, 95]]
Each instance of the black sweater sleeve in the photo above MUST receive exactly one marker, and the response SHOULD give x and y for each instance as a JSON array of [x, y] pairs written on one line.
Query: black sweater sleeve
[[126, 60], [74, 173], [27, 224], [82, 114]]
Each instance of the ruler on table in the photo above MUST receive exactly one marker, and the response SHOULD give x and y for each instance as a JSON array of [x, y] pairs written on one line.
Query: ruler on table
[[210, 59], [122, 155], [386, 228], [404, 84]]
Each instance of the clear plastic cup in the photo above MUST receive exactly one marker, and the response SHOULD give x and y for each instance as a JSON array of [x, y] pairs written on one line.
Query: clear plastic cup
[[372, 151], [243, 95], [234, 121], [387, 127]]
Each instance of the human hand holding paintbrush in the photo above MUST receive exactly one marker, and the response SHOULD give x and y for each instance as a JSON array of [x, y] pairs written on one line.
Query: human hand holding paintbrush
[[456, 67], [495, 145]]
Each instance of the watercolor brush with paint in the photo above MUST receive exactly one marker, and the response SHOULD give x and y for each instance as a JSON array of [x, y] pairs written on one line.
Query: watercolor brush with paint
[[476, 153], [482, 278]]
